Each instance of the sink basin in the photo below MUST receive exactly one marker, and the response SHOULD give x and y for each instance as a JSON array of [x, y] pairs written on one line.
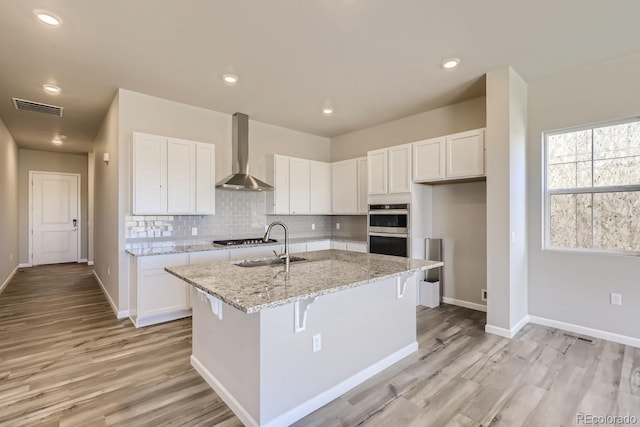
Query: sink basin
[[261, 262]]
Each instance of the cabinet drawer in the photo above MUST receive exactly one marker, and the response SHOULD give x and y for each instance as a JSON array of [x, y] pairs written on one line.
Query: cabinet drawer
[[162, 261], [208, 256]]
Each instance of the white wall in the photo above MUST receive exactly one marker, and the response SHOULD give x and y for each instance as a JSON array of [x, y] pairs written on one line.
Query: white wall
[[105, 209], [572, 287], [441, 121], [9, 245], [35, 160], [506, 201]]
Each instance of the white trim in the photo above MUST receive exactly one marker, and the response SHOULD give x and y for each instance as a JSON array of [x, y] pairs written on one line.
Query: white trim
[[119, 314], [89, 262], [465, 304], [507, 333], [79, 219], [583, 330], [139, 322], [25, 265], [82, 261], [310, 405], [6, 282]]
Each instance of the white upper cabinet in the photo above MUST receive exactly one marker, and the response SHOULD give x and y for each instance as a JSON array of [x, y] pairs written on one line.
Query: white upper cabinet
[[319, 187], [429, 159], [205, 179], [278, 177], [399, 164], [149, 173], [299, 186], [390, 170], [465, 154], [344, 187], [181, 176], [451, 157], [172, 176], [363, 185], [377, 177]]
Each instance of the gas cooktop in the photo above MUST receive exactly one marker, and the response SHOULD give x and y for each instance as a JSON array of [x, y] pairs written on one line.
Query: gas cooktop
[[240, 242]]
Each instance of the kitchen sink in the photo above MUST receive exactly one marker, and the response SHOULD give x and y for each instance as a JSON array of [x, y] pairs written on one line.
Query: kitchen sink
[[261, 262]]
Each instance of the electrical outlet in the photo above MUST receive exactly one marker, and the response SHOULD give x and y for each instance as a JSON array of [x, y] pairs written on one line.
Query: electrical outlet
[[194, 231], [313, 226], [616, 299], [317, 343], [337, 226], [483, 295], [108, 271]]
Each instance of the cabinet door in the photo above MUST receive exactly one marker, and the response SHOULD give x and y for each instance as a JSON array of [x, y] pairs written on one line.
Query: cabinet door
[[377, 166], [429, 160], [363, 189], [205, 179], [399, 162], [320, 187], [357, 247], [465, 154], [344, 187], [149, 172], [298, 186], [160, 293], [181, 176], [281, 184]]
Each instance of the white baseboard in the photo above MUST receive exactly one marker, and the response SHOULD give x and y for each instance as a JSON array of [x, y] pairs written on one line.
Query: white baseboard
[[25, 265], [310, 405], [160, 318], [507, 333], [119, 314], [582, 330], [82, 261], [6, 282], [89, 262], [465, 304]]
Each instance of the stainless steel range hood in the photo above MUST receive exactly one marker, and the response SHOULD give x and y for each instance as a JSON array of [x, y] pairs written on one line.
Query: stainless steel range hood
[[240, 178]]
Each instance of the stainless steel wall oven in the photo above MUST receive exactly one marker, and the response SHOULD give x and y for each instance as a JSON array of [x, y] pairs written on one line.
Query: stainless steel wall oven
[[388, 227]]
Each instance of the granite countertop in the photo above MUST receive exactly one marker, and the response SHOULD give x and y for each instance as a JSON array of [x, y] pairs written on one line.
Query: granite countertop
[[168, 248], [251, 289]]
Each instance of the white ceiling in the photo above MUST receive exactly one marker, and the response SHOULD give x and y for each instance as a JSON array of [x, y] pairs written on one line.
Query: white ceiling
[[372, 60]]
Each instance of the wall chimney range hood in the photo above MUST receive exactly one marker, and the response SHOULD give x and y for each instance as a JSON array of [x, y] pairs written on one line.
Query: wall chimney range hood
[[240, 178]]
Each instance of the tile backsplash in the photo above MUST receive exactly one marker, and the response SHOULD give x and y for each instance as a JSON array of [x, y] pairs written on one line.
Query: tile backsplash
[[238, 214]]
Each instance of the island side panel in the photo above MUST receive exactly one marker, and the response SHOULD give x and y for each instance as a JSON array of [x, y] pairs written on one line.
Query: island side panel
[[228, 349], [359, 327]]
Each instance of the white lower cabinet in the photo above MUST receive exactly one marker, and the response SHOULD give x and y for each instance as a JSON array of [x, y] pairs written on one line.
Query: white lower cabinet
[[207, 257], [155, 295]]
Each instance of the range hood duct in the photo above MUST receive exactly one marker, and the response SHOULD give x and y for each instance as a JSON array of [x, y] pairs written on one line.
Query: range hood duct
[[240, 178]]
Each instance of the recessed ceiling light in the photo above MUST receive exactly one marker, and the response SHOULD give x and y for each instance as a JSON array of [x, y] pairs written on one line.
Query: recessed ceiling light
[[54, 90], [48, 17], [327, 111], [57, 140], [230, 79], [450, 63]]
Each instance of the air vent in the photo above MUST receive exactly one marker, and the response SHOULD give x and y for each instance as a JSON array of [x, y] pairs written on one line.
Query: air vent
[[578, 338], [37, 107]]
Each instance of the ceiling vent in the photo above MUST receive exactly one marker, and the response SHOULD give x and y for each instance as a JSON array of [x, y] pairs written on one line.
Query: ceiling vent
[[37, 107]]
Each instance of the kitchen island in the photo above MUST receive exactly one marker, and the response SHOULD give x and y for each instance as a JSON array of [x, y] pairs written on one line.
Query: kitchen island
[[277, 346]]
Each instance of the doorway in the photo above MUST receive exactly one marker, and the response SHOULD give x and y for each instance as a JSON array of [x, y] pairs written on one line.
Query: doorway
[[54, 217]]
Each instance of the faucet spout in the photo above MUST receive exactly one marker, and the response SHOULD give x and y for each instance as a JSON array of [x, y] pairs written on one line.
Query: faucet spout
[[283, 256]]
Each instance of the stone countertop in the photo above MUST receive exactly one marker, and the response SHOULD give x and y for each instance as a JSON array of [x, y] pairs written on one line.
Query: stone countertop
[[251, 289], [168, 248]]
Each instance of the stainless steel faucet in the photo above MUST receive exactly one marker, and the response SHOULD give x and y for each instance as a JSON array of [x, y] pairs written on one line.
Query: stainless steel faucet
[[284, 256]]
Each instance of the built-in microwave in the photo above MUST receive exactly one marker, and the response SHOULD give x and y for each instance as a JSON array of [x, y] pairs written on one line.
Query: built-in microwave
[[388, 229]]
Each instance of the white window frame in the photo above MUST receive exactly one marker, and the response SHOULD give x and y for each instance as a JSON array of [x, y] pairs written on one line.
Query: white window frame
[[547, 193]]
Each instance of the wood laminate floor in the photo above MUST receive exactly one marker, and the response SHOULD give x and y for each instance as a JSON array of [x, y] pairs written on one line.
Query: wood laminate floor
[[66, 361]]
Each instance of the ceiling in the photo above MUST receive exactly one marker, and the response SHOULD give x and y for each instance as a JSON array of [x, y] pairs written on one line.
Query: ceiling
[[372, 60]]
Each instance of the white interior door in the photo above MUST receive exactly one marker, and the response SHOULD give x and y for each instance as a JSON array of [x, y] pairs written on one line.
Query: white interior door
[[55, 218]]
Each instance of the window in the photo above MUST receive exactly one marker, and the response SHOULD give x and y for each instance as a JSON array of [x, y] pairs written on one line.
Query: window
[[593, 187]]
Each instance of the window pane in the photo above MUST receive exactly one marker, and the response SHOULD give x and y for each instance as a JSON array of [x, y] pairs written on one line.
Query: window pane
[[617, 154], [569, 160], [570, 225], [616, 221]]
